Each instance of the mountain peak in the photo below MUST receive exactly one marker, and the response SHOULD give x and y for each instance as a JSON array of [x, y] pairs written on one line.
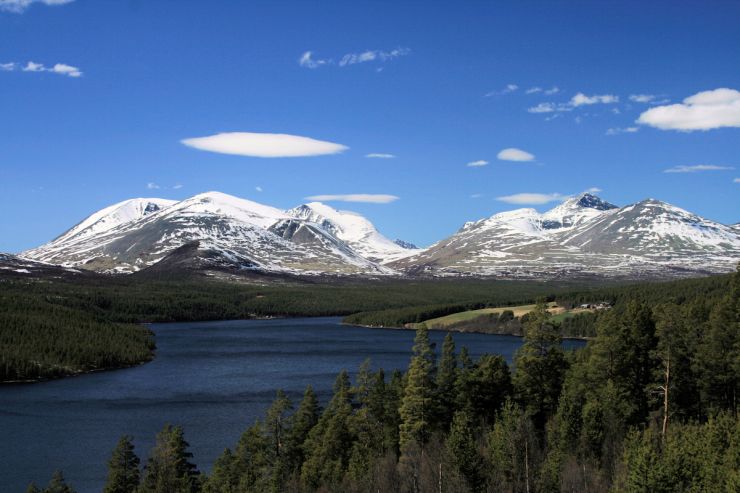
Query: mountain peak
[[591, 201]]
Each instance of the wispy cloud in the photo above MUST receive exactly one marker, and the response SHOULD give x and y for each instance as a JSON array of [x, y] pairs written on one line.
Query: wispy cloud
[[696, 168], [641, 98], [581, 99], [576, 101], [506, 90], [514, 154], [594, 190], [308, 60], [152, 186], [705, 110], [58, 68], [177, 186], [20, 6], [258, 188], [622, 130], [552, 90], [380, 155], [477, 164], [368, 198], [264, 145], [529, 198], [476, 195], [736, 180]]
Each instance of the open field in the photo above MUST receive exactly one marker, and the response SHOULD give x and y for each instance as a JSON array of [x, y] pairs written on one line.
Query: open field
[[559, 314]]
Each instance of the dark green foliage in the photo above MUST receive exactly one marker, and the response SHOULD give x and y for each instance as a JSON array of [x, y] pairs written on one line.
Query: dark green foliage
[[417, 406], [169, 469], [123, 468], [541, 365], [461, 444], [58, 484]]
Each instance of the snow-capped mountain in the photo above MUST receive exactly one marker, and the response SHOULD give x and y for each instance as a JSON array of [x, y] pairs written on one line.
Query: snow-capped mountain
[[230, 233], [215, 232], [354, 230], [583, 236], [12, 266]]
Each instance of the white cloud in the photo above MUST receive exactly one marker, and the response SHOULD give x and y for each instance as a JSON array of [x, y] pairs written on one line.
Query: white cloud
[[152, 186], [177, 186], [533, 90], [506, 90], [642, 98], [703, 111], [696, 168], [624, 130], [64, 69], [307, 60], [19, 6], [33, 67], [581, 99], [476, 195], [531, 198], [59, 68], [736, 180], [594, 190], [368, 198], [544, 108], [514, 154], [477, 164], [380, 155], [264, 145], [258, 188], [552, 90]]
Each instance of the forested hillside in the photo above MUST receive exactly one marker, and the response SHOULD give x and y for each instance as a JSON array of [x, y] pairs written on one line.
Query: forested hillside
[[650, 405]]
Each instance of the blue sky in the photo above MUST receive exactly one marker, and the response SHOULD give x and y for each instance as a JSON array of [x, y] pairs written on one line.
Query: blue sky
[[114, 87]]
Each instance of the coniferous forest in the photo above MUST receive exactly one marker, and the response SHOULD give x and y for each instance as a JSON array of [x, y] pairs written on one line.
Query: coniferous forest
[[649, 405]]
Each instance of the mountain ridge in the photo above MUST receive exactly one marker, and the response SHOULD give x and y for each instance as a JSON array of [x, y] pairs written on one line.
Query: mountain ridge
[[583, 236]]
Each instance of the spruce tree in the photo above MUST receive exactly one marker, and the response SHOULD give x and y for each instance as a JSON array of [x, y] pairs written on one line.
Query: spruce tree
[[540, 366], [32, 488], [461, 445], [303, 420], [417, 409], [446, 382], [276, 426], [58, 484], [123, 468], [169, 469]]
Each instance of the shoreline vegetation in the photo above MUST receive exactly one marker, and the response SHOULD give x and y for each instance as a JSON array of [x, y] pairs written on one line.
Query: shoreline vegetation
[[53, 328], [649, 404]]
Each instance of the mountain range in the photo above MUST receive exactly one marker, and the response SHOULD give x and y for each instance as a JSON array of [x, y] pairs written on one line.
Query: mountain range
[[219, 234]]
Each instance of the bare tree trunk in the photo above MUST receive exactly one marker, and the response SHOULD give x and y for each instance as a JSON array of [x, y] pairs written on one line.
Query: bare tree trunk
[[526, 465], [666, 387]]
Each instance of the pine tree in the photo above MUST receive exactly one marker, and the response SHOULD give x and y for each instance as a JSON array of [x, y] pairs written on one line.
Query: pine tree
[[417, 409], [169, 469], [251, 458], [303, 420], [58, 484], [489, 383], [446, 382], [123, 468], [276, 425], [224, 477], [32, 488], [461, 445], [329, 443], [540, 366]]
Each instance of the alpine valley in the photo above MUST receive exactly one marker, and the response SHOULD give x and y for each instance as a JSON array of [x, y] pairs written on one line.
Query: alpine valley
[[225, 236]]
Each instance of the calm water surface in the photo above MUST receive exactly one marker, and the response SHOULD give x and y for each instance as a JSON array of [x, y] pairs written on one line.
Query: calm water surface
[[214, 378]]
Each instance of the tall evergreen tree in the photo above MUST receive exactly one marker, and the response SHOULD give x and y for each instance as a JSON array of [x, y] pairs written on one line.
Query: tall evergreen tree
[[123, 468], [417, 409], [169, 469], [461, 445], [58, 484], [540, 366], [303, 420], [446, 381]]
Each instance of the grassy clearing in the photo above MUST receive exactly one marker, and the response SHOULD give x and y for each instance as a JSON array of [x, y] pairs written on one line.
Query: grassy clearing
[[559, 314]]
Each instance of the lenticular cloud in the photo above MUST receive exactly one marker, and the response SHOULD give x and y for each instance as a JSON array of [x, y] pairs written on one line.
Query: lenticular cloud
[[264, 145]]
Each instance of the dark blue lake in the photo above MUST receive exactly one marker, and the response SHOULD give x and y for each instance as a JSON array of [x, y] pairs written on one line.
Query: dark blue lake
[[214, 378]]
